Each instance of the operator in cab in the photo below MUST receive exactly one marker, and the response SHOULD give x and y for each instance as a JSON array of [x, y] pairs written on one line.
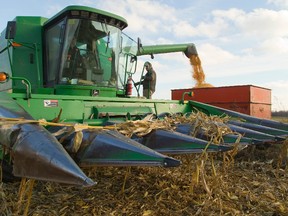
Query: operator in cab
[[74, 62], [74, 54], [148, 81]]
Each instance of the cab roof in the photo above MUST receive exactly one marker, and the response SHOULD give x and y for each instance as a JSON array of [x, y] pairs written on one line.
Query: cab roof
[[83, 12]]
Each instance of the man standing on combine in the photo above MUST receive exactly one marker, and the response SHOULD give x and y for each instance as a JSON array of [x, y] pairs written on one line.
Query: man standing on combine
[[149, 81]]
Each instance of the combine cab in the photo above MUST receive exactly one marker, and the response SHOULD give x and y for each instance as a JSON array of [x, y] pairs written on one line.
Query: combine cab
[[73, 71]]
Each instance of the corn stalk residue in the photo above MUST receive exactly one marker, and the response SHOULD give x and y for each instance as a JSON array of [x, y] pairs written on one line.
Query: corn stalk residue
[[198, 73], [199, 187]]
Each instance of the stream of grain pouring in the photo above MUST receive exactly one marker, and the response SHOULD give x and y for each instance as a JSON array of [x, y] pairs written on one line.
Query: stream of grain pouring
[[198, 73]]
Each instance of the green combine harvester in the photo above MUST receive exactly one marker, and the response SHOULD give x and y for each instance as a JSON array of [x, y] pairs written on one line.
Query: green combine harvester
[[76, 68]]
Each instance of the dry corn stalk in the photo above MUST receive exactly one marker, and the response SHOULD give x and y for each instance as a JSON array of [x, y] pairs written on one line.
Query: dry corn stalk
[[141, 127], [283, 157], [43, 122], [21, 194]]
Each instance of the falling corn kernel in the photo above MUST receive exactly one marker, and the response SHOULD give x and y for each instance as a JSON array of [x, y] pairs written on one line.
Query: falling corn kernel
[[198, 73]]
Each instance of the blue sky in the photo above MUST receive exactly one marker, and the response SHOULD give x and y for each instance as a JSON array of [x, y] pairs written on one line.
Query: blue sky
[[239, 42]]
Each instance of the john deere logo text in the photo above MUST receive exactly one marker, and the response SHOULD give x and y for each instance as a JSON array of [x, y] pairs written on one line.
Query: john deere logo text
[[50, 103]]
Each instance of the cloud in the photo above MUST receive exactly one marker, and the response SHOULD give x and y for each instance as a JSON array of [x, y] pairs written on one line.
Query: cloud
[[154, 19], [278, 83], [204, 29], [215, 55], [225, 64], [260, 23], [143, 16], [184, 29], [53, 9], [274, 45], [264, 23], [279, 3]]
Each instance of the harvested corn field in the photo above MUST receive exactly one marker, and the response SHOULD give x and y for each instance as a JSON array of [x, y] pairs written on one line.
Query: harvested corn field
[[243, 181], [253, 184]]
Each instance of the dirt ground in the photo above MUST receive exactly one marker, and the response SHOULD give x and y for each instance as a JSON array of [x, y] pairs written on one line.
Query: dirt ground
[[254, 182]]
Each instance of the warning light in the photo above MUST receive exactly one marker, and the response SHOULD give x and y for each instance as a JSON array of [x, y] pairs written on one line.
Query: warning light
[[3, 77]]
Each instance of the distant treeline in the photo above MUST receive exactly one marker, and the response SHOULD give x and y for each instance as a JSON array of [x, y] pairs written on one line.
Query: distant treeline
[[280, 113]]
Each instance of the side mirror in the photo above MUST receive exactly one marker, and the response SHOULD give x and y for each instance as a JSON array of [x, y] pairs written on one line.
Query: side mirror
[[133, 59], [10, 30], [139, 44]]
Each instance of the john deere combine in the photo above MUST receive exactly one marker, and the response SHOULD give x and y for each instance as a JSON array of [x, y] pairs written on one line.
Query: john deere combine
[[75, 70]]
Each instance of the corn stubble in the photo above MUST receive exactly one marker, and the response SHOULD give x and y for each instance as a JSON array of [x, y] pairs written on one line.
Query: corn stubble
[[251, 182]]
